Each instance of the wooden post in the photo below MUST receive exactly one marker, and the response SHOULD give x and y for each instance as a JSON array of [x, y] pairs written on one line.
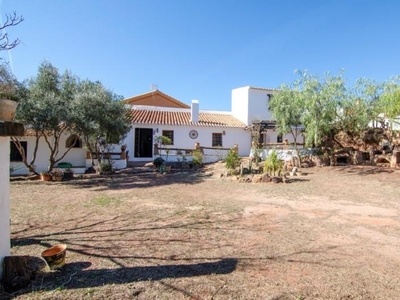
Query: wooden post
[[236, 148]]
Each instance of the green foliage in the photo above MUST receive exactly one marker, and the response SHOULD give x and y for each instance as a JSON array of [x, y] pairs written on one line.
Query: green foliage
[[105, 200], [99, 115], [232, 159], [273, 164], [326, 106], [158, 162], [389, 101], [197, 157], [287, 108], [45, 110], [106, 166], [10, 87], [257, 154]]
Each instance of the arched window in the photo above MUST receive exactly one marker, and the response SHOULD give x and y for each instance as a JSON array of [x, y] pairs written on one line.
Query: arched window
[[73, 141]]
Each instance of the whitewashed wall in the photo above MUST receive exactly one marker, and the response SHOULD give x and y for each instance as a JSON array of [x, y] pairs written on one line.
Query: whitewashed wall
[[4, 200], [250, 104], [258, 105], [271, 136], [239, 104], [76, 156], [182, 139]]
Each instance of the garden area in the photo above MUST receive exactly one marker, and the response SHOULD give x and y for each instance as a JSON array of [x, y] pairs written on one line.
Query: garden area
[[328, 233]]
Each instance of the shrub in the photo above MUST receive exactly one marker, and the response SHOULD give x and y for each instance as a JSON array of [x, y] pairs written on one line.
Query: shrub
[[273, 164], [158, 162], [197, 157], [105, 166], [232, 159]]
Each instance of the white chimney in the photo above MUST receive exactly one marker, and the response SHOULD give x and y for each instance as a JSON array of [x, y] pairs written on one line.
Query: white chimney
[[194, 117]]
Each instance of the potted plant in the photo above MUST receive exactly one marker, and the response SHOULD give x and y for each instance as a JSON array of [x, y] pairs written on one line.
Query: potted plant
[[68, 173], [10, 93], [158, 162], [57, 174], [45, 176]]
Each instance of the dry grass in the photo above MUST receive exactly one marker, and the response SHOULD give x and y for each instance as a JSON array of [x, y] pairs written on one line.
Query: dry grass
[[332, 234]]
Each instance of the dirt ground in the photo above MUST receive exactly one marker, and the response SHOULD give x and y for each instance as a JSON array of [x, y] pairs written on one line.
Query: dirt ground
[[332, 233]]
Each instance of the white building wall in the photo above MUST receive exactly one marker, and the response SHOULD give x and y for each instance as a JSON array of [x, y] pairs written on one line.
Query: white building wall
[[76, 156], [271, 136], [239, 104], [182, 139], [258, 105], [250, 104], [4, 200]]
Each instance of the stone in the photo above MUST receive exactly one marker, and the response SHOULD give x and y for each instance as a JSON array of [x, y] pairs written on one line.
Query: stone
[[277, 179], [249, 178], [257, 179], [266, 178]]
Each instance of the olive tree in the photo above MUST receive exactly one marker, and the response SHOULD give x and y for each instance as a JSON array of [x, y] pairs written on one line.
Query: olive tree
[[99, 117], [46, 111]]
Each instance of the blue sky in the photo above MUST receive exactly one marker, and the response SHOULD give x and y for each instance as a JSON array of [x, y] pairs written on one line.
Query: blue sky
[[202, 49]]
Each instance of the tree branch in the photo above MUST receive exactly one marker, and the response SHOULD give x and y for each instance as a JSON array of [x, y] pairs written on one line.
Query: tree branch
[[11, 20]]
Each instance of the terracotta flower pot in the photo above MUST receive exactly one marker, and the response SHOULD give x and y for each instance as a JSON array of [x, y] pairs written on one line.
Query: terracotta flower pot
[[45, 177], [55, 256], [7, 109]]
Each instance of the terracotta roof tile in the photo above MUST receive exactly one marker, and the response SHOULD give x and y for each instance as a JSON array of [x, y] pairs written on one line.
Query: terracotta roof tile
[[182, 118]]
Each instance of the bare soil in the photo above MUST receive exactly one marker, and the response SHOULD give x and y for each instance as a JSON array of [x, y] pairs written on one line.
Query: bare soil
[[333, 233]]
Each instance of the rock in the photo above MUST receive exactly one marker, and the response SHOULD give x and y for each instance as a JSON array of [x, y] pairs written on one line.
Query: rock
[[266, 178], [257, 179], [249, 178], [149, 165], [277, 179]]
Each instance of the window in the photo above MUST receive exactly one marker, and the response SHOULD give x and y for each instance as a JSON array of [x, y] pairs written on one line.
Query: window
[[279, 138], [217, 139], [169, 134], [73, 141], [14, 153], [263, 138]]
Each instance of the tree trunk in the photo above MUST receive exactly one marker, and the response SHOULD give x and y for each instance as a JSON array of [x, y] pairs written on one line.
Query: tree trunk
[[16, 273]]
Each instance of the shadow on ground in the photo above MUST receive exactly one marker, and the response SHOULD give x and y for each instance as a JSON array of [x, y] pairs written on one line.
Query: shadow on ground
[[126, 179], [364, 170], [75, 275]]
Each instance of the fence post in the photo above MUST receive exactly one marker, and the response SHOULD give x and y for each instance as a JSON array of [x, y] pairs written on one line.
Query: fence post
[[236, 148]]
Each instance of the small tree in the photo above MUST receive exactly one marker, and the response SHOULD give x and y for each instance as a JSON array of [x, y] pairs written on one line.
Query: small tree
[[99, 117], [273, 164], [232, 159], [287, 106], [164, 141], [50, 96]]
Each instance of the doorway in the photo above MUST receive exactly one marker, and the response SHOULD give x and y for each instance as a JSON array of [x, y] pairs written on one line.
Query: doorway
[[144, 142]]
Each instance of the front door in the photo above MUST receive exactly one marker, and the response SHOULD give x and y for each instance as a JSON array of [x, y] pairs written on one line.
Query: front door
[[144, 142]]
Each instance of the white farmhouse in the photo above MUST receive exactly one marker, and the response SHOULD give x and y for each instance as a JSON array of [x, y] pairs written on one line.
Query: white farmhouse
[[155, 113]]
